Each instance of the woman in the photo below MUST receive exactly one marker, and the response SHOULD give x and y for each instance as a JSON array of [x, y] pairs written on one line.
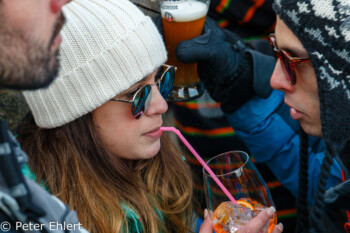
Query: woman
[[110, 164]]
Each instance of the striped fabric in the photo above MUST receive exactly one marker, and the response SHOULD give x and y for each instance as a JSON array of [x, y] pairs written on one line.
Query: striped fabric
[[246, 17]]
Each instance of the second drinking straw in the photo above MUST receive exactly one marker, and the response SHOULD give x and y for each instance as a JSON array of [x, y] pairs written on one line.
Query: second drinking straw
[[199, 158]]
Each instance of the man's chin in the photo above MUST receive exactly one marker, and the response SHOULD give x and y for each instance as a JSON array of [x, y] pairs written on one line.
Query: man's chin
[[28, 85], [38, 85], [31, 81], [311, 130], [35, 78]]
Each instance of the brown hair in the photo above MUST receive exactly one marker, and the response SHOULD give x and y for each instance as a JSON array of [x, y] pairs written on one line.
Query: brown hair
[[76, 168]]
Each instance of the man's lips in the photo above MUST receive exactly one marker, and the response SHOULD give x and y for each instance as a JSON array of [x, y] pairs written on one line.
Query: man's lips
[[56, 37], [57, 41], [294, 113]]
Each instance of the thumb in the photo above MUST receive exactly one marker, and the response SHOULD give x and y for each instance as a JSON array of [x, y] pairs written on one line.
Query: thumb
[[207, 226], [258, 223], [194, 50]]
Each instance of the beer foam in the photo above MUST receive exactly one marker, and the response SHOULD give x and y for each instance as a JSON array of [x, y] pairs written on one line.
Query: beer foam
[[184, 11]]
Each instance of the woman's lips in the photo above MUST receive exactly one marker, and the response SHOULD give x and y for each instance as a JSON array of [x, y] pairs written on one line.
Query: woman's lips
[[155, 133], [295, 114]]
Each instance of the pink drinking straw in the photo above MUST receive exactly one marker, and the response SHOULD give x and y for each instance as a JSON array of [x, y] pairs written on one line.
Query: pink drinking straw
[[199, 158]]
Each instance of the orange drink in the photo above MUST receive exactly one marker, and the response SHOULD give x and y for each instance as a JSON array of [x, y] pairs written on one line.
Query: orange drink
[[229, 218]]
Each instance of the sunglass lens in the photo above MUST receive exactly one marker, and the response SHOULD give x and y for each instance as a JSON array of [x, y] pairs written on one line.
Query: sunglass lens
[[288, 69], [167, 82], [141, 102]]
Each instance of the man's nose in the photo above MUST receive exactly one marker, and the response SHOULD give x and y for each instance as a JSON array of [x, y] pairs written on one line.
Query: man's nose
[[279, 80]]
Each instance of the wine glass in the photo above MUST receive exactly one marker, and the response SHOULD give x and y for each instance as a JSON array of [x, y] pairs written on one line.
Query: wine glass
[[239, 175]]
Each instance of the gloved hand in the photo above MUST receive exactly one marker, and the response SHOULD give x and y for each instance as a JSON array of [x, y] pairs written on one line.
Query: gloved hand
[[231, 72], [159, 24]]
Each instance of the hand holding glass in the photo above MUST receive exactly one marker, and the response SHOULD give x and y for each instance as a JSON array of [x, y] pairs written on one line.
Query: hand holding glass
[[239, 175]]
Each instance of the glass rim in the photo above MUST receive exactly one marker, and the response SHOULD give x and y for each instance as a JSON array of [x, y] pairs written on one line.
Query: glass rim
[[236, 171]]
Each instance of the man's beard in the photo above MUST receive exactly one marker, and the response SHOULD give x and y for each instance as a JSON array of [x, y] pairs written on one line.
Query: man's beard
[[25, 62]]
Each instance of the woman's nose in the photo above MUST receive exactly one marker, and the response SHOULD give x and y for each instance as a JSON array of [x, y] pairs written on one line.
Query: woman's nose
[[279, 80], [158, 105]]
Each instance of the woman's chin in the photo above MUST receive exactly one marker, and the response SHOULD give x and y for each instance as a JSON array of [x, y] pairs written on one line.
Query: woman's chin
[[152, 150]]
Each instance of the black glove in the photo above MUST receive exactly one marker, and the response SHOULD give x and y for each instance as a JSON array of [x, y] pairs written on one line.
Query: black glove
[[159, 24], [231, 72]]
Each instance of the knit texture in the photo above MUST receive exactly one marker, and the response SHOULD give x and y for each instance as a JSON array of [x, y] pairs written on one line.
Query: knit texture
[[108, 46], [323, 27]]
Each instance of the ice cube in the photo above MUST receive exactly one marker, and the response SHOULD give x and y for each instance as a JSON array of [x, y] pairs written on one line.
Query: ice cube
[[231, 217]]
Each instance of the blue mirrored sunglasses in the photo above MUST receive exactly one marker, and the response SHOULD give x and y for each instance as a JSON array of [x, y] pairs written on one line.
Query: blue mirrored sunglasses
[[164, 81]]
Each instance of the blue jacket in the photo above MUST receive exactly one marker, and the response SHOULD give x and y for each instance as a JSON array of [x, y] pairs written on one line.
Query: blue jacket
[[272, 137]]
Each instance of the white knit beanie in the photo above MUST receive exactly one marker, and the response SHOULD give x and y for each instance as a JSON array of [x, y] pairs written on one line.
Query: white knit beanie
[[108, 46]]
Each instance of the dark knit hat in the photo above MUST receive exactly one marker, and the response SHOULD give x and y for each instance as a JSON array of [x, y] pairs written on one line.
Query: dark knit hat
[[323, 27]]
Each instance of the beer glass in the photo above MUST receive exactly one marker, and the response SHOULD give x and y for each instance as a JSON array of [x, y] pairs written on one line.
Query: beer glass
[[183, 20], [239, 175]]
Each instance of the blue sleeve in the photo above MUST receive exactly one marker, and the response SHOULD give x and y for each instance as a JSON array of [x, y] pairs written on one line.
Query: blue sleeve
[[271, 139]]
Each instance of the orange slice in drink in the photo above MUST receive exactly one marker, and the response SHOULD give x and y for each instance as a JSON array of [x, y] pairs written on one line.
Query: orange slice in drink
[[245, 204], [222, 213], [218, 228]]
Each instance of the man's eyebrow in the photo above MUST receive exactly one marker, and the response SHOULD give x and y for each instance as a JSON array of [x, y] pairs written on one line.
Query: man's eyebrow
[[297, 52], [294, 50]]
